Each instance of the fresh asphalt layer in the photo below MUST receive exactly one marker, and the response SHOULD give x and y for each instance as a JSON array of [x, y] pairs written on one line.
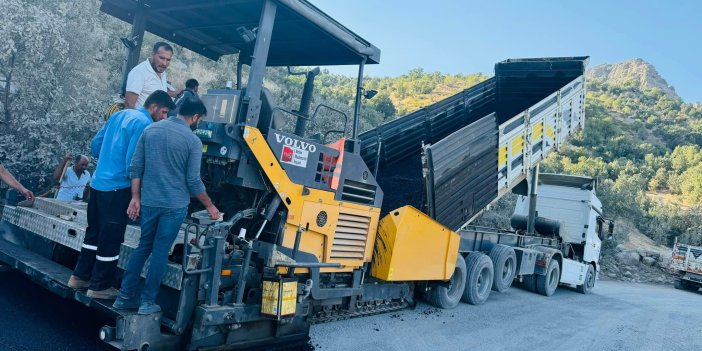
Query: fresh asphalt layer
[[616, 316]]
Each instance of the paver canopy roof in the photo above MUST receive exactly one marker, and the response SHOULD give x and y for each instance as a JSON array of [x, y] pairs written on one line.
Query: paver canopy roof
[[302, 35]]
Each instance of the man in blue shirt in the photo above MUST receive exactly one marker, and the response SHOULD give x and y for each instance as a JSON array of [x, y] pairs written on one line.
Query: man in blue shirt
[[110, 194]]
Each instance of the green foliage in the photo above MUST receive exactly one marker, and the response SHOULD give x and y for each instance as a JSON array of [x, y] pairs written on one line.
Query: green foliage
[[54, 87]]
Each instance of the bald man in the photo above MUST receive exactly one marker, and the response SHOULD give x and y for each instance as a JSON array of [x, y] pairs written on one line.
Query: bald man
[[73, 185]]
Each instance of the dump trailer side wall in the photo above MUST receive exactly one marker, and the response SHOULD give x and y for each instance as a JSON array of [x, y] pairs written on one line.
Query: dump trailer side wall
[[460, 172], [464, 175], [535, 105]]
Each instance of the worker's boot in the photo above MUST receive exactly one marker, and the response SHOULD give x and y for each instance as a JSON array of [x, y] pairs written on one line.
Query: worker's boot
[[107, 294], [77, 283], [149, 308], [126, 304]]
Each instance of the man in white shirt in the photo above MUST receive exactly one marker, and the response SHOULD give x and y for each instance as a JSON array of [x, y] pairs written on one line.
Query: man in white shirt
[[73, 185], [149, 76]]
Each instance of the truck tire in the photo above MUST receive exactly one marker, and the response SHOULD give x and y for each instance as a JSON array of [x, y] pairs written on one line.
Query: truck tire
[[691, 286], [478, 279], [504, 262], [589, 283], [529, 282], [448, 296], [546, 284]]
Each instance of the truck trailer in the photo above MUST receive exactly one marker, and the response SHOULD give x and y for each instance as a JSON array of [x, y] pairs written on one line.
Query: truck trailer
[[318, 230], [686, 266]]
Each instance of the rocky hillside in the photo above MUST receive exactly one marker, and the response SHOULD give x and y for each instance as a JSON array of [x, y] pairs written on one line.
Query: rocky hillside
[[643, 73], [636, 259]]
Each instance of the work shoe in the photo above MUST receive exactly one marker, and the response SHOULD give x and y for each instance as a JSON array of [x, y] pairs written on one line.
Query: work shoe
[[125, 304], [107, 294], [148, 308], [77, 283]]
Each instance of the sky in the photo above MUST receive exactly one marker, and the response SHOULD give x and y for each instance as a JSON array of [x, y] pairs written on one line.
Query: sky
[[465, 36]]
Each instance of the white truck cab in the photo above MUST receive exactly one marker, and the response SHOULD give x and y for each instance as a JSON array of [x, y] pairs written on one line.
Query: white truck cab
[[571, 201]]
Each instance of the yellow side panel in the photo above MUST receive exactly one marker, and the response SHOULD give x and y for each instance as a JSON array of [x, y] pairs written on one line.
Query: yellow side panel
[[412, 246], [549, 132], [310, 241], [538, 131], [502, 156], [517, 145]]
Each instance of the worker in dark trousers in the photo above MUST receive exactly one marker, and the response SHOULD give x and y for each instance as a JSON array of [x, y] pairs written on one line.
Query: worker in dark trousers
[[110, 193], [165, 173]]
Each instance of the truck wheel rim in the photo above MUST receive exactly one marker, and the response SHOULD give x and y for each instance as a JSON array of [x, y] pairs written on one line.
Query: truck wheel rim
[[590, 280], [483, 278], [553, 278], [507, 269]]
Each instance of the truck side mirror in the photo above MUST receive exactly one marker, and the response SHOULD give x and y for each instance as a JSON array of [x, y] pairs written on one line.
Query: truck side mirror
[[610, 231]]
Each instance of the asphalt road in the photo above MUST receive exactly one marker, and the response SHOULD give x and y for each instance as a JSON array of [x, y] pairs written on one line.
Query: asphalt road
[[32, 318], [617, 316]]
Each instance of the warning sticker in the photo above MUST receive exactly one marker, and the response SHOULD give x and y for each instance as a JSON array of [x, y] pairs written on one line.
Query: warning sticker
[[294, 156]]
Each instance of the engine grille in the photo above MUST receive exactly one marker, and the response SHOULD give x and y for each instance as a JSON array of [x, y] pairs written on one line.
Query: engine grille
[[350, 237], [358, 192]]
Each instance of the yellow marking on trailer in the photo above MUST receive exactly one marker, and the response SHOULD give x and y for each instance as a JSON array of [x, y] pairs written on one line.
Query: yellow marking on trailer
[[549, 132], [502, 156], [537, 132], [517, 145]]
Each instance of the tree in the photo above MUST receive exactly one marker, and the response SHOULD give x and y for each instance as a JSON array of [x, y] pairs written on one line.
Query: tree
[[49, 54], [383, 104]]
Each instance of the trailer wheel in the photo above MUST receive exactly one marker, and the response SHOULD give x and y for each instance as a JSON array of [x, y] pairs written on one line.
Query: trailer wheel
[[529, 282], [478, 279], [448, 296], [546, 284], [679, 284], [589, 283], [504, 262]]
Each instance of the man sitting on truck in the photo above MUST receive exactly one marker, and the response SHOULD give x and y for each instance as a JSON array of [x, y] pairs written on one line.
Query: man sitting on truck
[[73, 181], [165, 173], [110, 194]]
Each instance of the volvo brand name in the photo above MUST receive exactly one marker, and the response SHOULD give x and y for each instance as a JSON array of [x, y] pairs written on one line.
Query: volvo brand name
[[299, 144]]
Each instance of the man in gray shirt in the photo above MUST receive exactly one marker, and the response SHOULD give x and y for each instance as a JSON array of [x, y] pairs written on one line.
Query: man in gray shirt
[[165, 173]]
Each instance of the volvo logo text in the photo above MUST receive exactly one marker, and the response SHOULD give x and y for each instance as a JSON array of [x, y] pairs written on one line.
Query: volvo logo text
[[298, 144]]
